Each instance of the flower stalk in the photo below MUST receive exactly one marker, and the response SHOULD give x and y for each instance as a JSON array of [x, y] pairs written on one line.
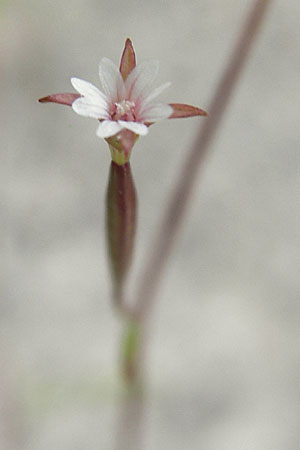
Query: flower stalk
[[131, 353], [126, 107], [121, 224]]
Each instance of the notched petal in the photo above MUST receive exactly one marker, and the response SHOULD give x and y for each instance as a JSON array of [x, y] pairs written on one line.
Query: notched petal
[[140, 79], [156, 92], [111, 80], [156, 112], [108, 128], [86, 88], [128, 62], [135, 127], [88, 108], [180, 111], [62, 99]]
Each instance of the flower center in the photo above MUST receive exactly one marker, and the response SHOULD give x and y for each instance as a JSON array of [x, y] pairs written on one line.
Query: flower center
[[123, 110]]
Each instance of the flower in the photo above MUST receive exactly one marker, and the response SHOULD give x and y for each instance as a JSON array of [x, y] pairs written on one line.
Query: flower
[[126, 106], [123, 105]]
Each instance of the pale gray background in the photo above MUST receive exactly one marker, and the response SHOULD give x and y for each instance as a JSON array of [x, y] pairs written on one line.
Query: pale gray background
[[225, 356]]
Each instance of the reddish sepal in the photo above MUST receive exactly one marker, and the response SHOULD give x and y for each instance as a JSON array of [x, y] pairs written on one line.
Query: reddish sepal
[[127, 60], [180, 111], [62, 99]]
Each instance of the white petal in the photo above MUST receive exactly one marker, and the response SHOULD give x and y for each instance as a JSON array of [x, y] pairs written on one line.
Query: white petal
[[158, 111], [86, 107], [111, 80], [156, 92], [140, 79], [108, 128], [87, 89], [136, 127]]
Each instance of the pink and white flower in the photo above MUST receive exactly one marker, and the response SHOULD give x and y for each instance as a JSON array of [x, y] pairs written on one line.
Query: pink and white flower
[[127, 104]]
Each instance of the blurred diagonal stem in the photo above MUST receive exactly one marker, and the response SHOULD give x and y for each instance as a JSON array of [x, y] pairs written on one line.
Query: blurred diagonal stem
[[137, 318], [177, 208]]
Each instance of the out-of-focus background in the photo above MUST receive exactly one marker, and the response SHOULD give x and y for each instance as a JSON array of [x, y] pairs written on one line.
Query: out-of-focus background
[[225, 355]]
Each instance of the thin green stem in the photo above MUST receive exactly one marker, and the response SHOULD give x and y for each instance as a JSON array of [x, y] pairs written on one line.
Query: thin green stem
[[131, 353]]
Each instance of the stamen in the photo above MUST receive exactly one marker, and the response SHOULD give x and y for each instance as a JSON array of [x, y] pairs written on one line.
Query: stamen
[[124, 107]]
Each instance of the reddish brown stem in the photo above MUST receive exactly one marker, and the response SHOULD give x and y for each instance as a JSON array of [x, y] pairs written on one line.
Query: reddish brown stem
[[176, 211]]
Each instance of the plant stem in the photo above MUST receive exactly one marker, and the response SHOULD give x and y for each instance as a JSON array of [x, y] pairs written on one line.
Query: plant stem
[[130, 424], [131, 354], [177, 209]]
